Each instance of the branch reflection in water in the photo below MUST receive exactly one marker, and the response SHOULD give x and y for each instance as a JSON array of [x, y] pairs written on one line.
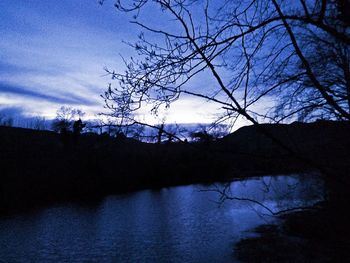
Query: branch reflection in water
[[177, 224]]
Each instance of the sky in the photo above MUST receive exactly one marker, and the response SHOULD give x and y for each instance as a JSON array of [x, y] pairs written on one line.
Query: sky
[[53, 53]]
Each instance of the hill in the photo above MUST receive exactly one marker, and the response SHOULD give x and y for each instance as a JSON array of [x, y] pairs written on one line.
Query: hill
[[324, 143], [43, 166], [297, 136]]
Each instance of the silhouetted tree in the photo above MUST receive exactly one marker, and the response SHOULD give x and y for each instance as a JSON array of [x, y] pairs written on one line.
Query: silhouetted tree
[[202, 136], [38, 123], [65, 118], [268, 47], [269, 60], [78, 126], [160, 133]]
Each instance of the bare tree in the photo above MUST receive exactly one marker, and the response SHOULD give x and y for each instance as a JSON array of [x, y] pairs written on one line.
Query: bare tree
[[271, 49], [6, 121], [269, 60], [37, 123], [65, 117]]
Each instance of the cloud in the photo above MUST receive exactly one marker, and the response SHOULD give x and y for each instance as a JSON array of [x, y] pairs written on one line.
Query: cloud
[[55, 54], [27, 92], [15, 116]]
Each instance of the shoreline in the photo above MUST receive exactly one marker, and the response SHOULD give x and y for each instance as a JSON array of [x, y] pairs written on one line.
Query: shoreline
[[317, 235]]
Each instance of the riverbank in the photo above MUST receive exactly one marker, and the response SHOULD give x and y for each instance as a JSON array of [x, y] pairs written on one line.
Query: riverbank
[[40, 167], [317, 235]]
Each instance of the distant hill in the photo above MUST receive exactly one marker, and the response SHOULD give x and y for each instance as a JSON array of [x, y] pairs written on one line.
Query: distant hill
[[43, 166], [325, 142], [301, 137]]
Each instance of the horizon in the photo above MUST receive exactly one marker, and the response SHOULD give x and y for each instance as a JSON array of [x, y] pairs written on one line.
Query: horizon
[[55, 54]]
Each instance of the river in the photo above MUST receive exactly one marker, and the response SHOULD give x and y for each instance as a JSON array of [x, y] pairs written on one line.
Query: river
[[176, 224]]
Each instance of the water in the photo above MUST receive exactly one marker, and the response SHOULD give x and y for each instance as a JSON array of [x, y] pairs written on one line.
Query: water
[[177, 224]]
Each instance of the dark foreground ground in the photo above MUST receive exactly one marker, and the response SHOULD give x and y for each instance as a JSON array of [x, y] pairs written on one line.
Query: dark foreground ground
[[318, 235]]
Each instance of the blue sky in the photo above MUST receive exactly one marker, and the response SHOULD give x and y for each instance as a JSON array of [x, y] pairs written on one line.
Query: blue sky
[[53, 53]]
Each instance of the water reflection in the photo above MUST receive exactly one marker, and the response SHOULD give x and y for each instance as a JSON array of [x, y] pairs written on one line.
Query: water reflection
[[178, 224], [276, 193]]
